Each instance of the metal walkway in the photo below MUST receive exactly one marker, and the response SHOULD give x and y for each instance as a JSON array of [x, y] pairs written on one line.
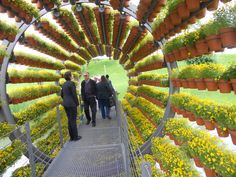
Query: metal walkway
[[98, 154]]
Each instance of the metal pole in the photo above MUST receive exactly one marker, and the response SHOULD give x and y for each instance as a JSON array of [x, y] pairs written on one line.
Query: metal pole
[[59, 126], [146, 169], [30, 150]]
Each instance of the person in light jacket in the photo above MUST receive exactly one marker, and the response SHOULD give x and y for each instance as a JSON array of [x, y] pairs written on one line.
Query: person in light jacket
[[103, 93], [70, 103]]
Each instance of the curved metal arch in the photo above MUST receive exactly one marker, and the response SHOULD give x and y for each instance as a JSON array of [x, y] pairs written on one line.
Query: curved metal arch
[[23, 27]]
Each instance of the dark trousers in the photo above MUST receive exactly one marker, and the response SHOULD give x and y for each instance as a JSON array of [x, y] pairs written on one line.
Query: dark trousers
[[71, 113], [104, 106], [90, 102]]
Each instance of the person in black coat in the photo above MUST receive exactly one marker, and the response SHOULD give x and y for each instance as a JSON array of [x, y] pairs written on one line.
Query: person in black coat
[[104, 91], [88, 92], [70, 103]]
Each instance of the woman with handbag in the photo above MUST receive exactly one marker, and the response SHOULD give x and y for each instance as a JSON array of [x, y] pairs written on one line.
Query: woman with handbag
[[103, 93]]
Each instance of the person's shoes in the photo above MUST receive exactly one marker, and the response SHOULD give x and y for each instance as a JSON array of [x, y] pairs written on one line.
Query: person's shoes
[[88, 122], [104, 118], [93, 124], [77, 138], [108, 117]]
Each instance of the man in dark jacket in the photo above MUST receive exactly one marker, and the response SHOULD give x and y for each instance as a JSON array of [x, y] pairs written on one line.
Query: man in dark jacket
[[70, 103], [88, 92]]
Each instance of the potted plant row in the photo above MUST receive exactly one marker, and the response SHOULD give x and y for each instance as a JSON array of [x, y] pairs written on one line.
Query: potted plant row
[[75, 74], [128, 65], [203, 148], [108, 51], [132, 73], [153, 95], [57, 35], [213, 36], [206, 112], [133, 81], [29, 76], [6, 128], [175, 12], [77, 59], [20, 9], [72, 66], [48, 4], [119, 4], [117, 54], [33, 41], [144, 8], [206, 76], [132, 89], [3, 53], [37, 109], [150, 63], [160, 80], [84, 53], [7, 31], [33, 60], [20, 95], [143, 125], [163, 150]]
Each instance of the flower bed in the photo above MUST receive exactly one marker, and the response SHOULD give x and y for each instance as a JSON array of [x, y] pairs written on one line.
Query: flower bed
[[19, 95], [174, 161], [23, 10], [201, 146], [51, 49], [206, 76], [29, 76], [150, 63], [10, 154], [68, 22], [7, 31], [57, 35], [37, 109], [158, 98], [33, 60], [206, 112], [5, 128], [160, 80], [142, 124], [213, 36]]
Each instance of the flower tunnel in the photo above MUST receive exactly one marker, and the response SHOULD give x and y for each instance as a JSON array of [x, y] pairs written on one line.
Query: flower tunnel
[[150, 39]]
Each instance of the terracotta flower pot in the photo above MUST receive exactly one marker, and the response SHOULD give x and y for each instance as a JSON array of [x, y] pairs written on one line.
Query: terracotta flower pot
[[202, 47], [178, 83], [211, 84], [175, 19], [200, 121], [183, 52], [2, 9], [191, 116], [233, 82], [228, 37], [192, 51], [209, 125], [177, 54], [193, 5], [201, 14], [224, 86], [214, 43], [184, 83], [209, 172], [213, 5], [192, 83], [200, 84], [197, 162], [183, 11], [233, 136], [220, 132]]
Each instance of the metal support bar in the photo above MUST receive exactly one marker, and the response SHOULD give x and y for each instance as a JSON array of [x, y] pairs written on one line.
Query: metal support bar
[[146, 169], [122, 20], [59, 126], [134, 41], [30, 150], [102, 16]]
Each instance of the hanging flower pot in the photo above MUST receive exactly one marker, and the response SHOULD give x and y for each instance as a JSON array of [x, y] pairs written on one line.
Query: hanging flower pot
[[184, 83], [214, 43], [200, 121], [233, 81], [192, 20], [197, 162], [177, 54], [200, 84], [228, 37], [209, 125], [209, 172], [202, 47], [2, 9], [175, 19], [224, 86], [183, 11], [191, 83], [183, 52], [193, 5], [192, 51], [213, 5], [10, 14], [220, 132], [211, 84], [233, 136], [190, 116], [201, 13]]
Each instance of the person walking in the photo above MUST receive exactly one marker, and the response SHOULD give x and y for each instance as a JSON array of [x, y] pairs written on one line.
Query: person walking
[[110, 84], [70, 103], [88, 92], [103, 93]]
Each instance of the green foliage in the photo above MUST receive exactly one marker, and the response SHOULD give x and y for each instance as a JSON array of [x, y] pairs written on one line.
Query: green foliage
[[149, 60], [8, 29], [27, 7], [26, 171], [5, 128], [230, 73], [201, 60], [72, 66]]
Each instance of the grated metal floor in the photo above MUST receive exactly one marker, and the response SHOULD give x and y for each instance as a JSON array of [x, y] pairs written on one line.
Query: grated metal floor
[[97, 154]]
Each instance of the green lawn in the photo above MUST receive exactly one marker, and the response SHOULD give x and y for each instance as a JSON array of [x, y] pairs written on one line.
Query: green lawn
[[114, 70]]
